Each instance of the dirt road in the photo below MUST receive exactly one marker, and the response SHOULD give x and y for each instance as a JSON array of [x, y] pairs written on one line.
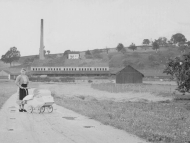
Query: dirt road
[[60, 126]]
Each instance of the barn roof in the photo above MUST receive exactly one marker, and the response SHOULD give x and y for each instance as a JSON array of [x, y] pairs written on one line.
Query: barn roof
[[130, 67], [6, 71], [61, 62]]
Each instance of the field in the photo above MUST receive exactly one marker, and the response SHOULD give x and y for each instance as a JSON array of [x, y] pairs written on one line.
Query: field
[[155, 118]]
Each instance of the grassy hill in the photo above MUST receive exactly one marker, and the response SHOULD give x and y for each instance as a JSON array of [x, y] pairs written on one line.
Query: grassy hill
[[146, 60]]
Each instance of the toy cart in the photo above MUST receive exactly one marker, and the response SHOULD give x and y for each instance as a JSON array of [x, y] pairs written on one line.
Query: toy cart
[[40, 109]]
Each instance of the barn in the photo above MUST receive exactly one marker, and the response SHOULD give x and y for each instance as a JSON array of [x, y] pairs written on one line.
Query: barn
[[5, 75], [129, 75]]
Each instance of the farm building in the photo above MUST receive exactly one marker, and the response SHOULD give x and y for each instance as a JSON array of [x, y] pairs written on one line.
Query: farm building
[[74, 65], [70, 67], [73, 55], [5, 75], [129, 75]]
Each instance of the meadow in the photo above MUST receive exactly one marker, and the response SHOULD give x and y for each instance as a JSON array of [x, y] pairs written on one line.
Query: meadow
[[157, 89]]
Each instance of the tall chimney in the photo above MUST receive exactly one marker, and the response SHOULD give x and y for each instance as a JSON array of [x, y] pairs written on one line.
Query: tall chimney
[[41, 42]]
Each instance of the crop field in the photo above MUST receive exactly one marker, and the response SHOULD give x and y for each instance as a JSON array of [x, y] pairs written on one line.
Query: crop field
[[140, 88]]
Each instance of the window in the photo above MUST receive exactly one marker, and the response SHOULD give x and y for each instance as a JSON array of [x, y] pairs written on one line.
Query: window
[[59, 68]]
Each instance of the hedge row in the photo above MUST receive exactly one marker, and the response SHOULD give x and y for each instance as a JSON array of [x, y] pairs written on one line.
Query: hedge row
[[48, 79]]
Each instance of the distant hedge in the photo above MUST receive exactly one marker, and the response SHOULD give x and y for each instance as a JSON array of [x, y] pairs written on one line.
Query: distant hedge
[[52, 79]]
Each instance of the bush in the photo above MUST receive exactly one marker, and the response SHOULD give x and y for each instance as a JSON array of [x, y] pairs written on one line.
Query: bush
[[67, 79], [39, 79]]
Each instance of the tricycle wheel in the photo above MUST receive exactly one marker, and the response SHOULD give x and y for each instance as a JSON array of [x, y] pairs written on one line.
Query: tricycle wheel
[[30, 109], [38, 109], [42, 109], [50, 109]]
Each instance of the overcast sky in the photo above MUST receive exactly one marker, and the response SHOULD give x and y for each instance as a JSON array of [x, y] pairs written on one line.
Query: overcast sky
[[88, 24]]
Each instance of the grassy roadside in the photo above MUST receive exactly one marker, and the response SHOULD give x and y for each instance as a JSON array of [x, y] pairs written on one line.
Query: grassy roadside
[[7, 88], [159, 122]]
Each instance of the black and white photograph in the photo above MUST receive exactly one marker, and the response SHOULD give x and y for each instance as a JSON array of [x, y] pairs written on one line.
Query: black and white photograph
[[94, 71]]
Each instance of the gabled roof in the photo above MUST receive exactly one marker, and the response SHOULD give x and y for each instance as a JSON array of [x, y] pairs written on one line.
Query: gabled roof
[[130, 67], [6, 71], [61, 62]]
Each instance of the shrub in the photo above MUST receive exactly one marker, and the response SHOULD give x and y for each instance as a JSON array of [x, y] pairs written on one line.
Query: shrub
[[67, 79]]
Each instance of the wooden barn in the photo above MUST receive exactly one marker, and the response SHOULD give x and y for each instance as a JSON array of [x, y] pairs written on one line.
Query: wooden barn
[[129, 75]]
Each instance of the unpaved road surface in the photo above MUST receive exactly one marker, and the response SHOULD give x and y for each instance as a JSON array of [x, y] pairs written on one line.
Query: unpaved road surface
[[60, 126]]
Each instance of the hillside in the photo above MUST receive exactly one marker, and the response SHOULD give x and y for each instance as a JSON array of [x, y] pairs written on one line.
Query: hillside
[[146, 60]]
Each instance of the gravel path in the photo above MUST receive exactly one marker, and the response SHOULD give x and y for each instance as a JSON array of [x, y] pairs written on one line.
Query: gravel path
[[60, 126]]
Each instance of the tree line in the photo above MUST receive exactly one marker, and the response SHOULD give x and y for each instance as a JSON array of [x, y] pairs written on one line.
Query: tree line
[[177, 39], [13, 55]]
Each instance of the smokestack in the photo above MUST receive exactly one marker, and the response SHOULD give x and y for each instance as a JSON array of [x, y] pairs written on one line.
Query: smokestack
[[41, 41]]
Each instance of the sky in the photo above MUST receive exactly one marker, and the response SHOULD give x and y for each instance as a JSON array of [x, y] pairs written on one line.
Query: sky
[[80, 25]]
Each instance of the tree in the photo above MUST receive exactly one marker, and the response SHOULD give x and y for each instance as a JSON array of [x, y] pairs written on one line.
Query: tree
[[88, 53], [11, 55], [132, 47], [188, 43], [96, 51], [119, 47], [177, 38], [155, 45], [162, 41], [48, 51], [178, 69], [146, 41], [66, 52], [29, 60]]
